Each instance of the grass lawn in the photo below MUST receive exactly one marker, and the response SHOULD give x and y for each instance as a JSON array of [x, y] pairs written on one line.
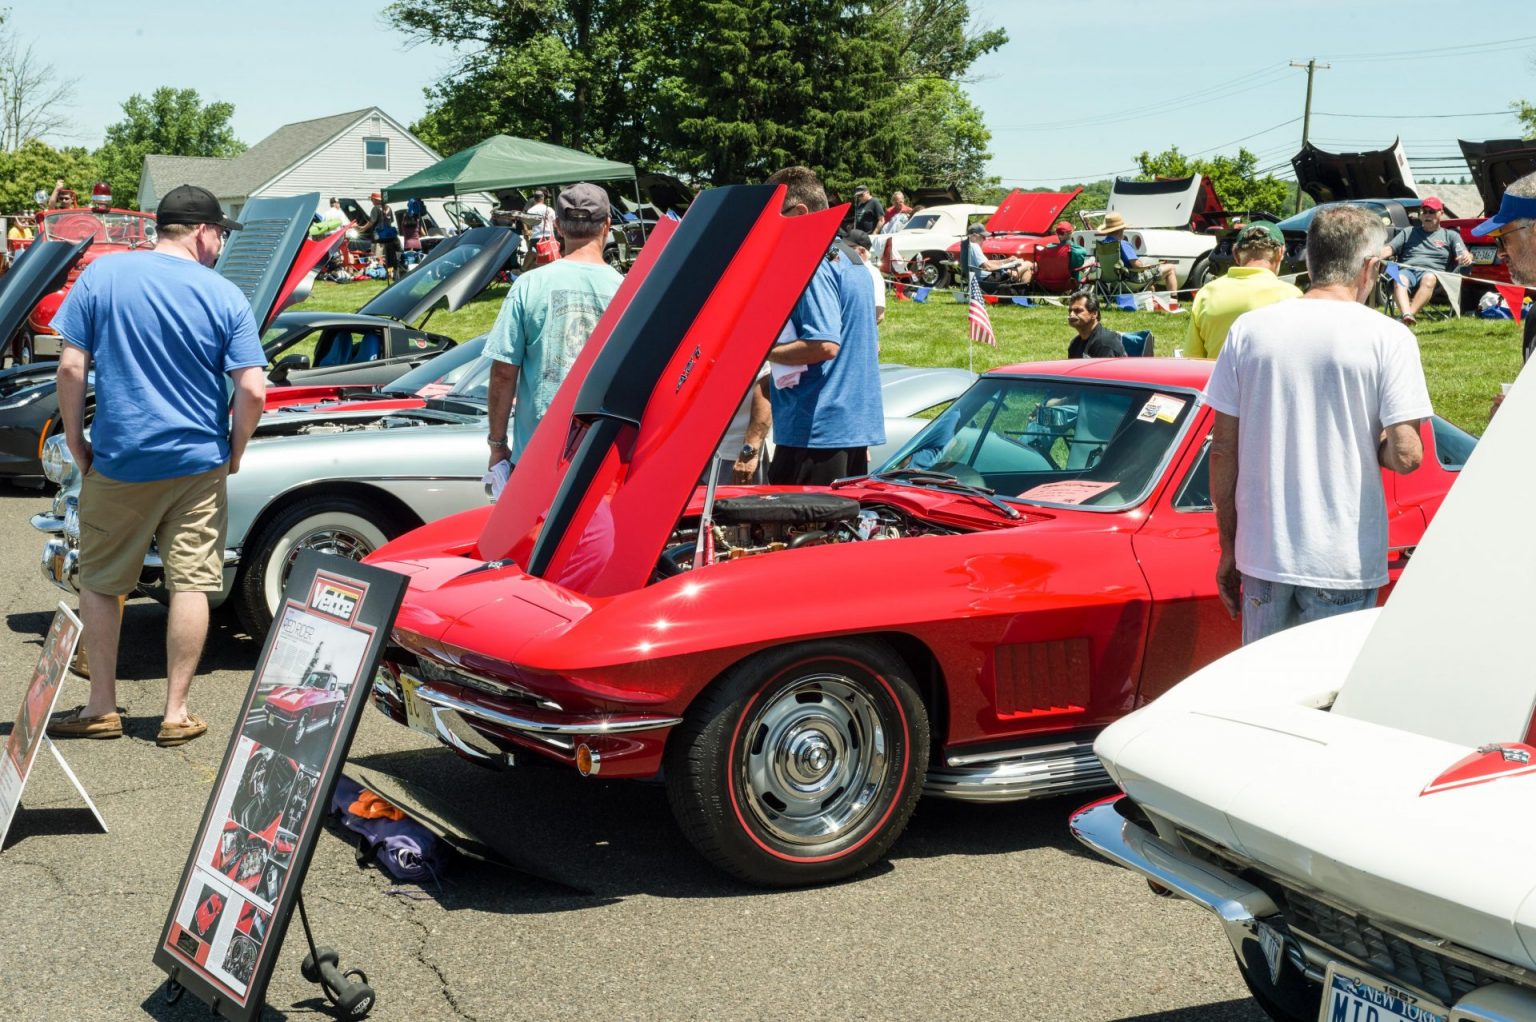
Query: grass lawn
[[1465, 359]]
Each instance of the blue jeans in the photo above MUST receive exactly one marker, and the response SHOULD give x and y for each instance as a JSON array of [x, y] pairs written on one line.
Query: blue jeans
[[1270, 607]]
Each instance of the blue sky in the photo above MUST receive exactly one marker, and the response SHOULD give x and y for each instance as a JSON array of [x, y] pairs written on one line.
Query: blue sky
[[1078, 91]]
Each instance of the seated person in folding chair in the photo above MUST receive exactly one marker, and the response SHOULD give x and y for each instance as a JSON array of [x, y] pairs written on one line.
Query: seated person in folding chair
[[1420, 252], [1144, 270], [1094, 339], [1079, 259], [1010, 271]]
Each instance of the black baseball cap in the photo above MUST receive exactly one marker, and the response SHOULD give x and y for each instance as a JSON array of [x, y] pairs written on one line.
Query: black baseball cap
[[189, 204]]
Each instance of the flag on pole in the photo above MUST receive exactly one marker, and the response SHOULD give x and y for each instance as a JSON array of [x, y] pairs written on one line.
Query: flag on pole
[[981, 322]]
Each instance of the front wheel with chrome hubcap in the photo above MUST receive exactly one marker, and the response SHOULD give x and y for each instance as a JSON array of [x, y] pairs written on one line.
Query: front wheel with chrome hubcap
[[802, 764]]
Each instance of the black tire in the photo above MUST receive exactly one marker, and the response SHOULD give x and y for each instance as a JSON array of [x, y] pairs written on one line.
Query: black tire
[[1294, 999], [332, 524], [22, 353], [1199, 275], [776, 777], [930, 270]]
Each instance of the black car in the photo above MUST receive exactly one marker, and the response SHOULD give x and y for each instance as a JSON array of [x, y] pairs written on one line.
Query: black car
[[387, 336], [1395, 213]]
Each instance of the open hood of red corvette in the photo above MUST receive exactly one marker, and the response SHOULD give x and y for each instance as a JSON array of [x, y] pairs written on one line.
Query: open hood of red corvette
[[1024, 212], [609, 470]]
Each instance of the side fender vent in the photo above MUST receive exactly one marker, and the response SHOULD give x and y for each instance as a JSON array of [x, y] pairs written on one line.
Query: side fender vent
[[1042, 677]]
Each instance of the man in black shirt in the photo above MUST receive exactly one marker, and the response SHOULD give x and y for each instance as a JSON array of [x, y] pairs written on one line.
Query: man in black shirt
[[1093, 339], [868, 214]]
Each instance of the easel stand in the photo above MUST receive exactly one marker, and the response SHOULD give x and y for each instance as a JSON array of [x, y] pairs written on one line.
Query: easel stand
[[348, 991], [58, 757]]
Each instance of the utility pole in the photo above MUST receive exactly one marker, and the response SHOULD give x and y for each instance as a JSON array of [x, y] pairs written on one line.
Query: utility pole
[[1306, 114]]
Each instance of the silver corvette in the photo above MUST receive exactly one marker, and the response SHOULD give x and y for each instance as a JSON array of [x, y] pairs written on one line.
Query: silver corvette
[[343, 480]]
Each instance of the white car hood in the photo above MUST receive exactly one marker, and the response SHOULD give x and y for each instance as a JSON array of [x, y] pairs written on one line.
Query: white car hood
[[1239, 755]]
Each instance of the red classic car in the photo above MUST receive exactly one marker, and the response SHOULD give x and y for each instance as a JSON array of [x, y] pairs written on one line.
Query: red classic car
[[314, 702], [1021, 228], [111, 231], [798, 664]]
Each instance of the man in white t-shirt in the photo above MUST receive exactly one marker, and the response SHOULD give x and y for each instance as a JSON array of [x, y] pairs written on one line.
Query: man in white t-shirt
[[541, 225], [1313, 398]]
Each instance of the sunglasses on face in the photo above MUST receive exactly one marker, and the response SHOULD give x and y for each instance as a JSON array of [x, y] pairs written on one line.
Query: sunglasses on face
[[1498, 239]]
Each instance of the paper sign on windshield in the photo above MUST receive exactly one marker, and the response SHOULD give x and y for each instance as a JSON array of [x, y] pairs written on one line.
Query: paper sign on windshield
[[1068, 491], [1162, 408]]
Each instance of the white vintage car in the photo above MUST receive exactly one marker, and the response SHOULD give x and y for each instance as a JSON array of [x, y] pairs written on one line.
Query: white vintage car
[[919, 250], [1168, 219], [1352, 798]]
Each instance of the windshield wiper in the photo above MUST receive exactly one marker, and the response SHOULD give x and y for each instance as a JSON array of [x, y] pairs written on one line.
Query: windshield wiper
[[945, 481]]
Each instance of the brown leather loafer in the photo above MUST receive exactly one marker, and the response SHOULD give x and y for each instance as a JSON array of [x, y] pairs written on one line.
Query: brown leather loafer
[[180, 734], [74, 725]]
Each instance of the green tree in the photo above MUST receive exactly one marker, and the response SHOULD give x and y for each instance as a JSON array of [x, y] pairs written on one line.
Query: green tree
[[171, 122], [1527, 114], [1235, 178], [721, 91], [36, 166]]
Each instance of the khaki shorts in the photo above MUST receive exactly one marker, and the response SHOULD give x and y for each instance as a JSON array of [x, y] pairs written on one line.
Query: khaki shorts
[[185, 516]]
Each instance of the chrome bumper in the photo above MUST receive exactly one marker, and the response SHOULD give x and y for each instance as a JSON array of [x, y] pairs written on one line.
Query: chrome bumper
[[1009, 776], [1237, 904], [576, 728], [61, 564]]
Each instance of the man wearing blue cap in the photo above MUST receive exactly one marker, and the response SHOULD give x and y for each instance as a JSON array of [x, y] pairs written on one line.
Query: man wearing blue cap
[[1512, 228]]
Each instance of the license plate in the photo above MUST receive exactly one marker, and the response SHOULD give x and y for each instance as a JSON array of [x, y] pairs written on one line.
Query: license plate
[[1350, 995], [418, 715], [1484, 255], [1273, 946]]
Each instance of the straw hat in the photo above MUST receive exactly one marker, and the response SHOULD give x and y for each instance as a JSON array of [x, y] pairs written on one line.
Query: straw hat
[[1112, 223]]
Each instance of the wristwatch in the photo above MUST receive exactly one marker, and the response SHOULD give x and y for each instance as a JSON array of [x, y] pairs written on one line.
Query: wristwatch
[[748, 452], [499, 442]]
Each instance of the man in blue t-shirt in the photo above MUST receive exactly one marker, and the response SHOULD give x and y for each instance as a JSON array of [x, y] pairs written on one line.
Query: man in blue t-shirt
[[162, 331], [824, 393]]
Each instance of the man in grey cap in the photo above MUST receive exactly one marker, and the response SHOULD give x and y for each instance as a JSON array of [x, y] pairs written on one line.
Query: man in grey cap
[[546, 319], [162, 332]]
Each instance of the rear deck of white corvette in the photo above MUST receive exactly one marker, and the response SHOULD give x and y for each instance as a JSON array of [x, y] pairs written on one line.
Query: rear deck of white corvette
[[1360, 790]]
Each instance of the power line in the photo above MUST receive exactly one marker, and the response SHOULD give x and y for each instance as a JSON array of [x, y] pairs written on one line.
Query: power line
[[1422, 117], [1265, 76], [1235, 141], [1491, 44]]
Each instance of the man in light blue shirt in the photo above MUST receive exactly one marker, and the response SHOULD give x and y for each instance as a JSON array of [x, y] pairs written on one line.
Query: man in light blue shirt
[[545, 321]]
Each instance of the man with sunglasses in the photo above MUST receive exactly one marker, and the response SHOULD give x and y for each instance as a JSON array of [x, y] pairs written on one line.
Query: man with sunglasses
[[1513, 229], [162, 331]]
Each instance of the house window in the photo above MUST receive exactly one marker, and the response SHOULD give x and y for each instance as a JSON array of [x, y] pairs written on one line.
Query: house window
[[375, 154]]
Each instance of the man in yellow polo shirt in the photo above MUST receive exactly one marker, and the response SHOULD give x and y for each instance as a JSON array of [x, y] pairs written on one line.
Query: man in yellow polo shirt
[[1250, 284]]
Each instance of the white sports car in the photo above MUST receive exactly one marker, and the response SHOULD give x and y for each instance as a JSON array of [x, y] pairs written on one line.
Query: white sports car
[[1352, 798]]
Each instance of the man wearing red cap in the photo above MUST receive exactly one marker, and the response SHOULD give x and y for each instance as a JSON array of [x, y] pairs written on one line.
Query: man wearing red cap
[[380, 229], [1077, 255], [1420, 253]]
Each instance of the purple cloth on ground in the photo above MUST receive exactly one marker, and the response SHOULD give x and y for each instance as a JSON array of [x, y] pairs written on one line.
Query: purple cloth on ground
[[404, 848]]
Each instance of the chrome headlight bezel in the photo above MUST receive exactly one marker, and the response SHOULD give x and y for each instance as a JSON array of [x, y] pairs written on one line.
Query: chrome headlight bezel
[[58, 462]]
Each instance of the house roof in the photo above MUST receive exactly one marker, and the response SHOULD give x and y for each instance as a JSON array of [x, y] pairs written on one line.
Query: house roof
[[243, 175]]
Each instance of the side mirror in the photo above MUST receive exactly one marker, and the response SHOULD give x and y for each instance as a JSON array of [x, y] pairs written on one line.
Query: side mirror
[[292, 363]]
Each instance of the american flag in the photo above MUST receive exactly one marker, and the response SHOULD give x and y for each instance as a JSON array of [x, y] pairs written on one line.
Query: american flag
[[981, 323]]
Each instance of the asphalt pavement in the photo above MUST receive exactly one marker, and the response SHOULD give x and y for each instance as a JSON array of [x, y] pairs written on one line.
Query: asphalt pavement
[[981, 912]]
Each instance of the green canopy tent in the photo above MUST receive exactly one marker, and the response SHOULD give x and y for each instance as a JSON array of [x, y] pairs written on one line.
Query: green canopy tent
[[503, 161]]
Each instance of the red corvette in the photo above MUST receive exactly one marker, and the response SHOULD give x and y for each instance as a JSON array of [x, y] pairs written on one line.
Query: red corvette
[[1021, 228], [314, 702], [800, 664]]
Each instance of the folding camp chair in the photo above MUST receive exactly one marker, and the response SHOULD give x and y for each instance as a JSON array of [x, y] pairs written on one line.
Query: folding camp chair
[[1114, 277]]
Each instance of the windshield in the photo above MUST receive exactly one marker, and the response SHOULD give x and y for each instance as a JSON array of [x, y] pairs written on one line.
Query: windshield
[[1301, 221], [1053, 441], [473, 381], [437, 374], [103, 228], [922, 222], [318, 679]]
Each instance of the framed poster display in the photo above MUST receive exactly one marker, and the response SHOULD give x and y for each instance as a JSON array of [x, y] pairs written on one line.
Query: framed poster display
[[242, 879], [29, 729]]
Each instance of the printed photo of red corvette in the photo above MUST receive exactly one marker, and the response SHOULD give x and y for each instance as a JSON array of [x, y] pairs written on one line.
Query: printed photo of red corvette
[[799, 665]]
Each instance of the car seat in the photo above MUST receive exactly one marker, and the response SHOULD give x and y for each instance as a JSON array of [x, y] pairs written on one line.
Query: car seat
[[1098, 418], [1115, 278], [369, 349], [334, 349]]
